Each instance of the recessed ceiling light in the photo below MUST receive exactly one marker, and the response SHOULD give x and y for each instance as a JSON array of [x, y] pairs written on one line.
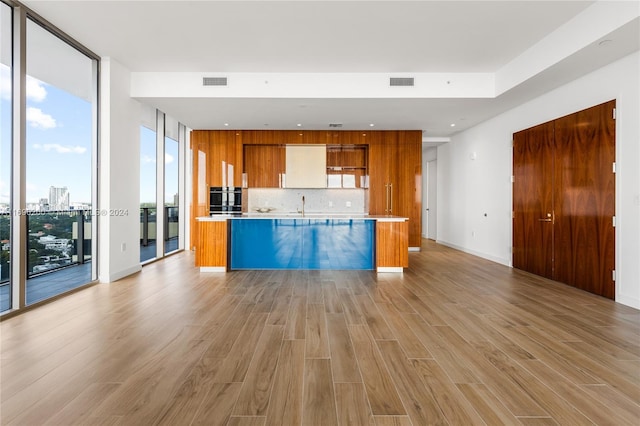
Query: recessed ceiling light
[[371, 125], [299, 124], [453, 124], [226, 124]]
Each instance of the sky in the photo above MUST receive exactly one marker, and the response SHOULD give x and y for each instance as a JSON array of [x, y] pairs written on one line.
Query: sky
[[59, 138], [59, 145]]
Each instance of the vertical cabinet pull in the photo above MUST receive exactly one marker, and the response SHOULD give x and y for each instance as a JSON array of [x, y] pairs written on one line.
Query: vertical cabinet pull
[[386, 198], [391, 198]]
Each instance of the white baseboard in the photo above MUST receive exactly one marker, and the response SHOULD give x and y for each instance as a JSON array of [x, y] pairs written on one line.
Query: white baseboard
[[628, 301], [390, 269], [120, 274], [213, 269], [502, 261]]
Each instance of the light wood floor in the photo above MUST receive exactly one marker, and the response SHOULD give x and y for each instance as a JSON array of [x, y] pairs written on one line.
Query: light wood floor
[[455, 340]]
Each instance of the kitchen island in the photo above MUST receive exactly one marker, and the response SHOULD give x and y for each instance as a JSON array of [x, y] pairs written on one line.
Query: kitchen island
[[293, 241]]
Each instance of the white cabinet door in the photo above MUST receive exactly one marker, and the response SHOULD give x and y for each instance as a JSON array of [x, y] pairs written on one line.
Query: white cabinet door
[[306, 166]]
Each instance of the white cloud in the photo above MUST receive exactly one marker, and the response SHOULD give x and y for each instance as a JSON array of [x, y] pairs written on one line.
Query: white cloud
[[5, 82], [35, 90], [61, 149], [147, 159], [38, 119], [168, 158]]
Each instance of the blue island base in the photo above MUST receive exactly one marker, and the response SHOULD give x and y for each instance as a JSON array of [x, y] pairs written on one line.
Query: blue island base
[[302, 244]]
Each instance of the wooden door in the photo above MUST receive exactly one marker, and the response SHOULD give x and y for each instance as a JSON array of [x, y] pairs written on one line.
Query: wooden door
[[533, 200], [585, 199], [564, 200]]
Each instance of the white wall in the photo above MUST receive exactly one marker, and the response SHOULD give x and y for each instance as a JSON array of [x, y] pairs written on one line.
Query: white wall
[[119, 174], [475, 168]]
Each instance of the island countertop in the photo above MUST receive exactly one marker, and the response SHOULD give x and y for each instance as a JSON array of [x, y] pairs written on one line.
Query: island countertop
[[319, 216]]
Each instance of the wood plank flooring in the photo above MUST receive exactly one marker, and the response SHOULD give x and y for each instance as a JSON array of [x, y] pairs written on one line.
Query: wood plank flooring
[[455, 340]]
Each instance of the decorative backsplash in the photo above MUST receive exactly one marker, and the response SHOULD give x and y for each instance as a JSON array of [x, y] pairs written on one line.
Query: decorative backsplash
[[316, 200]]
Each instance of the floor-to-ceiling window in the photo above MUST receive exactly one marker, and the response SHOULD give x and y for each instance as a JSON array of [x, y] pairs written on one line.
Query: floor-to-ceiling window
[[48, 141], [171, 185], [162, 142], [148, 204], [5, 156], [59, 150]]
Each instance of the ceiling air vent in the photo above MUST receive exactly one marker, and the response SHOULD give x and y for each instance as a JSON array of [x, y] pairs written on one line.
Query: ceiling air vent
[[214, 81], [335, 125], [401, 81]]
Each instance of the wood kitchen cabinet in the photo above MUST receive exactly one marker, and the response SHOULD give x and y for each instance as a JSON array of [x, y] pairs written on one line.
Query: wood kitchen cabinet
[[395, 175], [392, 161], [349, 164], [383, 172], [225, 167], [409, 179], [200, 180], [264, 165]]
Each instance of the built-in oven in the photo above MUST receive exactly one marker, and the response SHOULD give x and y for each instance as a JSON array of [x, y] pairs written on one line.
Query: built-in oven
[[225, 200]]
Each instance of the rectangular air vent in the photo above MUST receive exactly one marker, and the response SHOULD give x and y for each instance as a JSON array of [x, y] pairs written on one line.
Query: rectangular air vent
[[401, 81], [214, 81], [335, 125]]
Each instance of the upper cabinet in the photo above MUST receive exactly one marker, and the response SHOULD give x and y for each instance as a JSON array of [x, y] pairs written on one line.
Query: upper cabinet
[[347, 166], [306, 166], [225, 158], [264, 165]]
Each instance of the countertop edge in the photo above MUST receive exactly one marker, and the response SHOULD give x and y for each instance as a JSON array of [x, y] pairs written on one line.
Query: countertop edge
[[378, 218]]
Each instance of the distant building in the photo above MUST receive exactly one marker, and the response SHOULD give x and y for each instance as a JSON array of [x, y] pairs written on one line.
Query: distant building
[[58, 198], [44, 204], [79, 206]]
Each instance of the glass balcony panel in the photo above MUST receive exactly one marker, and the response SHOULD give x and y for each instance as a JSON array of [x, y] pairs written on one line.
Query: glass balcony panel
[[57, 253]]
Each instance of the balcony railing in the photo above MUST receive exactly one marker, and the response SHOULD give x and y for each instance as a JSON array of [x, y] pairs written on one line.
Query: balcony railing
[[148, 231], [55, 239]]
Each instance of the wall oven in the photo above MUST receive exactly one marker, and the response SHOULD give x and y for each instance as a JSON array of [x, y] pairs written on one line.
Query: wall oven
[[225, 200]]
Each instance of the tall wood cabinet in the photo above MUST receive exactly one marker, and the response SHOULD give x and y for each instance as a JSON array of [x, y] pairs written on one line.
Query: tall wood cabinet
[[217, 161], [395, 176]]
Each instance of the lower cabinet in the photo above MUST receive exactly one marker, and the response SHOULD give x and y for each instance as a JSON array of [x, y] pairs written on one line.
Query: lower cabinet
[[392, 246], [211, 252]]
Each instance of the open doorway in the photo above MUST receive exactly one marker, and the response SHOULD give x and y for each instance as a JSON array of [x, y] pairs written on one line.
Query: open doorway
[[429, 194]]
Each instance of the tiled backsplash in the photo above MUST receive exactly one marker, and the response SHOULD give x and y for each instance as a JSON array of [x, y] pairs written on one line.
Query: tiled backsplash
[[316, 200]]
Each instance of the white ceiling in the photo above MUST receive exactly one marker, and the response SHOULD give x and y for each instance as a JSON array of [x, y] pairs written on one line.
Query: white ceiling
[[361, 37]]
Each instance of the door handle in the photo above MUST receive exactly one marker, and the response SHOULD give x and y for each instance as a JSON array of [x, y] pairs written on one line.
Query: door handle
[[549, 218]]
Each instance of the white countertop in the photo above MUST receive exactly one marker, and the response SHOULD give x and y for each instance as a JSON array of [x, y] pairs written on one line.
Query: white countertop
[[320, 216]]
